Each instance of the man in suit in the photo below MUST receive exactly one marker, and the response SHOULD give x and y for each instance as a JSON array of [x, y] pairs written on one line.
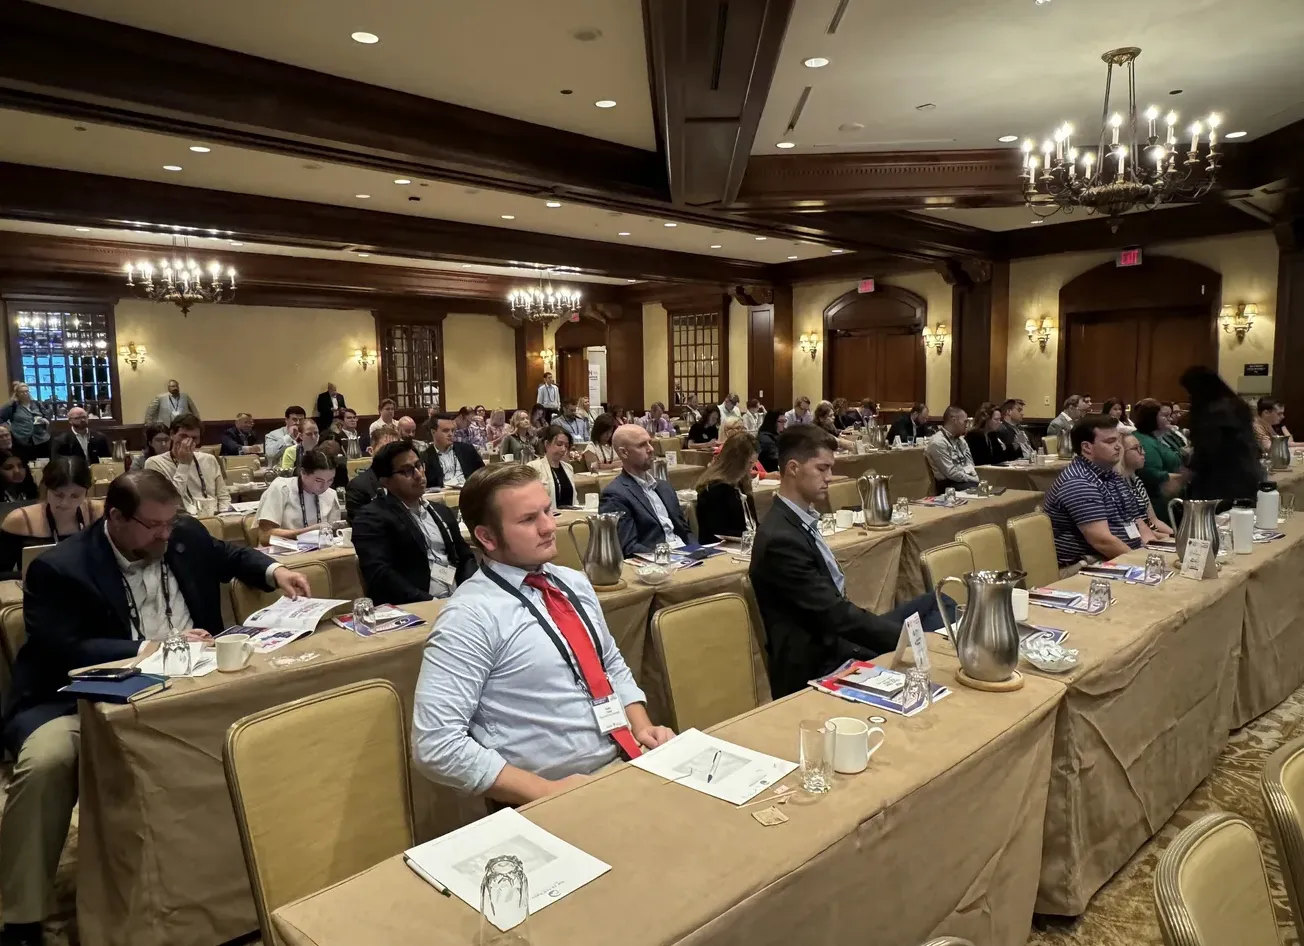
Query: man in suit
[[164, 408], [108, 593], [650, 506], [408, 549], [363, 488], [241, 440], [80, 440], [810, 625], [449, 464], [910, 427], [329, 403]]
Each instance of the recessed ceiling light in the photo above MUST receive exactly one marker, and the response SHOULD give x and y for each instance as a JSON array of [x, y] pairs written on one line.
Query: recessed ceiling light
[[83, 229], [623, 233], [839, 251], [553, 203], [631, 280], [467, 265], [792, 257], [172, 167], [236, 243], [362, 196], [1236, 134], [605, 103], [816, 62], [200, 149], [669, 224], [1006, 139], [368, 38], [509, 216], [1039, 221], [851, 126], [786, 144], [586, 34], [760, 238], [364, 254], [715, 246], [401, 180]]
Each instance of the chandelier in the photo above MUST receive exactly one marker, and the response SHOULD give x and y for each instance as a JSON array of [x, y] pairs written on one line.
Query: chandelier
[[1119, 176], [181, 282], [543, 303]]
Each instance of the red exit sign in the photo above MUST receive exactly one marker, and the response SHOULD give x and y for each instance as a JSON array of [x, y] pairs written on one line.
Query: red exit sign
[[866, 285], [1131, 256]]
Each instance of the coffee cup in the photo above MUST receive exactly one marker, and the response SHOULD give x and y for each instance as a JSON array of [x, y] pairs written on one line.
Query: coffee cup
[[1019, 602], [233, 652], [344, 538], [851, 744], [845, 518]]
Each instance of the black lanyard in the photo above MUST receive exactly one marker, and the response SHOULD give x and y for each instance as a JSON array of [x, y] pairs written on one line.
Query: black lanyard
[[303, 510], [133, 611], [199, 471], [54, 531], [547, 627], [447, 554]]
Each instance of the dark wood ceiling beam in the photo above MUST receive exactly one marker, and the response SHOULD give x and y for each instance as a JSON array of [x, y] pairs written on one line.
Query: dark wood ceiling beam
[[710, 64], [1192, 221], [904, 234]]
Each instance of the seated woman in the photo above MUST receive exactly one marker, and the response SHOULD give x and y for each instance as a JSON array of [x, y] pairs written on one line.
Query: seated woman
[[826, 418], [518, 438], [495, 430], [292, 505], [63, 511], [984, 438], [157, 440], [600, 455], [1118, 410], [1129, 465], [16, 483], [556, 473], [1161, 471], [335, 454], [767, 440], [309, 440], [540, 417], [706, 430], [725, 506]]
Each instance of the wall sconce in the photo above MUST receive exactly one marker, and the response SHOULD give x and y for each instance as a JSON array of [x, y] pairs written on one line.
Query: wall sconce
[[366, 357], [1238, 319], [133, 354], [809, 343], [1039, 330], [937, 337], [548, 356]]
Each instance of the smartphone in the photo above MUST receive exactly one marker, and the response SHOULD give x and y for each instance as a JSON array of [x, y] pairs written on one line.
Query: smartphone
[[106, 673]]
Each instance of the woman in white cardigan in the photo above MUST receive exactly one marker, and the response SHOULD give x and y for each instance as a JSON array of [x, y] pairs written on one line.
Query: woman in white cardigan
[[553, 469]]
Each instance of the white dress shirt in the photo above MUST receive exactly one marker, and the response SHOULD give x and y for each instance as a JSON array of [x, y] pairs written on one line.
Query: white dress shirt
[[452, 467], [649, 484], [726, 412], [752, 421], [145, 580], [436, 554], [202, 478], [84, 441], [275, 443], [548, 395], [281, 504]]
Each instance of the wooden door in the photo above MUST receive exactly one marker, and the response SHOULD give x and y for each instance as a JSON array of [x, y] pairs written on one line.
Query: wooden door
[[1173, 340], [899, 383], [760, 354], [1137, 353], [573, 373], [855, 361], [1102, 355]]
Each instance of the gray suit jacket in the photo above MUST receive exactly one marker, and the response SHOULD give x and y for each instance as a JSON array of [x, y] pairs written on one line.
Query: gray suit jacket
[[160, 409], [640, 529]]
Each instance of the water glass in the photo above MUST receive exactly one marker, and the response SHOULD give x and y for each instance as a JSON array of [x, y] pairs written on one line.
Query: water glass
[[949, 496], [245, 475], [901, 512], [364, 616], [918, 691], [828, 524], [176, 655], [1287, 505], [504, 902], [1156, 569], [1225, 543], [816, 756], [1099, 595], [661, 554], [746, 542]]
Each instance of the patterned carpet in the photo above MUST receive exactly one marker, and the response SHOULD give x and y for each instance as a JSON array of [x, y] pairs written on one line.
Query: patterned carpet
[[1121, 914]]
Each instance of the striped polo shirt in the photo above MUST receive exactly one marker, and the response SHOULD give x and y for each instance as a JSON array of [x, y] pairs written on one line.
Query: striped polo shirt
[[1084, 494]]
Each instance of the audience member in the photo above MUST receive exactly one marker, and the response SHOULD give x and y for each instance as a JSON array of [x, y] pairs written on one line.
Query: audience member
[[985, 444], [868, 412], [63, 511], [1092, 511], [195, 474], [29, 423], [650, 506], [800, 413], [575, 425], [548, 395], [599, 454], [1074, 410], [910, 427], [309, 439], [386, 419], [497, 710], [240, 439], [753, 416], [656, 422], [810, 626], [519, 438], [407, 430], [948, 453], [277, 441], [157, 440], [1011, 430], [6, 438], [408, 549], [767, 440], [363, 487], [557, 476], [844, 415], [1174, 436], [725, 506], [1129, 465], [465, 430], [80, 441], [1268, 420], [1225, 460], [1161, 473], [706, 430], [334, 454], [1116, 409], [108, 593], [448, 463], [582, 410], [16, 482], [167, 407], [729, 408], [539, 419], [329, 404], [824, 418], [495, 430], [353, 441], [293, 505]]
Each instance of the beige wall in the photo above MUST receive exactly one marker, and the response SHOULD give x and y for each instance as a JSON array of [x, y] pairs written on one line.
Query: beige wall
[[479, 362], [656, 355], [739, 316], [233, 358], [937, 368]]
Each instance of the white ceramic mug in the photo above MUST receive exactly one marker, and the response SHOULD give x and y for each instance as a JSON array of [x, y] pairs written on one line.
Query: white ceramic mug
[[845, 518], [344, 538], [233, 652], [1019, 601], [851, 748]]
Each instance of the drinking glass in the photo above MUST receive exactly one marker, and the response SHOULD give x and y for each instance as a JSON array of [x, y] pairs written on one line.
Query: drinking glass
[[1225, 543], [661, 554], [949, 496], [919, 689], [364, 615], [1156, 569], [816, 756], [828, 524], [245, 475], [1287, 505], [901, 513], [504, 902], [176, 655], [746, 543], [1098, 596]]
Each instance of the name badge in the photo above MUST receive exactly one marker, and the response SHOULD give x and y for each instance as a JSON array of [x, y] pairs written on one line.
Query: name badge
[[1132, 531], [609, 714], [444, 573]]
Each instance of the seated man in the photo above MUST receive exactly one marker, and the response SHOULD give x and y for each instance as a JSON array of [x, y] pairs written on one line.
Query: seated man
[[810, 626], [349, 433], [578, 427], [650, 506], [655, 421], [276, 441], [800, 413], [408, 549], [196, 475], [1269, 420], [522, 690], [910, 427], [80, 440], [110, 592], [449, 464], [241, 440], [1012, 432], [407, 430], [1074, 410], [1092, 511], [948, 452], [362, 488]]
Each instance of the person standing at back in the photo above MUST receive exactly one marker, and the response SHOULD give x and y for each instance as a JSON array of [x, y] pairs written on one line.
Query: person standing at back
[[169, 406], [548, 395], [1225, 458], [329, 404]]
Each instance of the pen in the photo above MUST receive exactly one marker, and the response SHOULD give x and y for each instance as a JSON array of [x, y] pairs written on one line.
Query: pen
[[715, 763], [426, 877]]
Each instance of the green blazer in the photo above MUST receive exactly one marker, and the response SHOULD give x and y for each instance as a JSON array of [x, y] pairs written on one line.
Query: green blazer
[[1161, 460]]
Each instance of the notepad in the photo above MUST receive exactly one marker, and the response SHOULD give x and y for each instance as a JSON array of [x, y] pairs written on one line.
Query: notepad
[[133, 688]]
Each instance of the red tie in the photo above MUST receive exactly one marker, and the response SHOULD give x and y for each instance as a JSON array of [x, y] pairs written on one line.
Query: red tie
[[581, 645]]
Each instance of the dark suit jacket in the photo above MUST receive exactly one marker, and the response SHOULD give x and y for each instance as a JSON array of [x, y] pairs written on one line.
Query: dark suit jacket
[[905, 428], [640, 529], [67, 445], [392, 551], [75, 608], [990, 448], [810, 629], [361, 490], [720, 512], [233, 439], [466, 454], [326, 412]]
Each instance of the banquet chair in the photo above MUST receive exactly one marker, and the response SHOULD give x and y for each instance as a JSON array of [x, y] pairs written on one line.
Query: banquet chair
[[13, 632], [953, 560], [1283, 796], [567, 555], [320, 790], [987, 543], [1051, 444], [212, 448], [947, 941], [251, 530], [106, 471], [243, 462], [357, 466], [842, 494], [705, 646], [31, 553], [245, 600], [1034, 546], [213, 525], [1211, 887]]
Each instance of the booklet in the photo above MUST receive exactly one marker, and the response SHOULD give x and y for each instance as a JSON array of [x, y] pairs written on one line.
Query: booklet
[[1064, 600], [1132, 574], [295, 614], [714, 767], [939, 501], [266, 639], [859, 682], [388, 618]]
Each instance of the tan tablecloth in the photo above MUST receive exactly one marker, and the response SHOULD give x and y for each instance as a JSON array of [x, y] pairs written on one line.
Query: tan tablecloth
[[907, 467], [1271, 664], [695, 456], [944, 826], [1291, 482], [1036, 478]]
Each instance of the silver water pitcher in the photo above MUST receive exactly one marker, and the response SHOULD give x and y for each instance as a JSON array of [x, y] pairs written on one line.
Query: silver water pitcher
[[876, 499], [1065, 450], [525, 454], [986, 638], [120, 451], [1199, 521], [876, 437], [602, 557], [351, 449], [1279, 453], [661, 469]]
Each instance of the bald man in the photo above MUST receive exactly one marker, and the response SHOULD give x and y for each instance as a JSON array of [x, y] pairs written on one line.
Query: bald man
[[650, 506], [407, 430], [80, 441]]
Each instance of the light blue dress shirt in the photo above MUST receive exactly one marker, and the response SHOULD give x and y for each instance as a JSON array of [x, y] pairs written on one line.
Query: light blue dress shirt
[[493, 690], [436, 554], [649, 484], [578, 427], [811, 520], [275, 443]]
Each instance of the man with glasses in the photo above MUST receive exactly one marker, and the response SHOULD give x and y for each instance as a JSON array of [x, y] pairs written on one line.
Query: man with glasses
[[408, 549], [110, 592]]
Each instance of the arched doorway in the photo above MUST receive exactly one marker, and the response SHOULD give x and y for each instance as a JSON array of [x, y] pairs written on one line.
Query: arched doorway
[[1129, 333], [873, 347], [572, 341]]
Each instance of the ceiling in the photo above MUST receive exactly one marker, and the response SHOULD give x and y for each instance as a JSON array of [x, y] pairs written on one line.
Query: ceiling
[[507, 57], [1015, 67], [1015, 218]]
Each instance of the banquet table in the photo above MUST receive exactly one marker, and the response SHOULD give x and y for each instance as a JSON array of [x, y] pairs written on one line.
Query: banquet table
[[1022, 475], [945, 826], [908, 468]]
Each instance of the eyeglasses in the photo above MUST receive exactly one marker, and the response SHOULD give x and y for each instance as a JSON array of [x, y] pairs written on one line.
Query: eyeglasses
[[415, 470], [166, 526]]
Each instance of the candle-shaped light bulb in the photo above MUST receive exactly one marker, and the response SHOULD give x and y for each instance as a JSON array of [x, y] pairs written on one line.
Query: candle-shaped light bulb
[[1121, 151], [1032, 165], [129, 274], [1088, 159], [1073, 163], [1152, 113], [1115, 122], [1195, 135], [1214, 121], [215, 269], [230, 274]]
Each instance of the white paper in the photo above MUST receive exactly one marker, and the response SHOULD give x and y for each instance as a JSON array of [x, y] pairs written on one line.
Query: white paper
[[203, 660], [553, 868], [243, 509], [914, 629], [1195, 559], [282, 543], [735, 774], [298, 614], [310, 540], [672, 457], [273, 638]]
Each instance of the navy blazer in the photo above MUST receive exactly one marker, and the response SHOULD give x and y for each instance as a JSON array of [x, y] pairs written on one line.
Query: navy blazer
[[75, 609], [640, 529], [467, 455], [392, 550]]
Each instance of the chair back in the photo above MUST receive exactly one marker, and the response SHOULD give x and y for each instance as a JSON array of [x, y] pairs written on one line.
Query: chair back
[[357, 466], [1211, 887], [320, 791], [245, 600], [842, 493], [706, 646], [213, 525], [567, 556], [251, 530], [1034, 546], [31, 553], [987, 544], [242, 462], [1283, 796], [951, 560], [213, 449], [13, 632], [106, 472], [947, 941]]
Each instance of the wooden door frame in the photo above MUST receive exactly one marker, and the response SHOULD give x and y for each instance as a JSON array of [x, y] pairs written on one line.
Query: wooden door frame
[[848, 313]]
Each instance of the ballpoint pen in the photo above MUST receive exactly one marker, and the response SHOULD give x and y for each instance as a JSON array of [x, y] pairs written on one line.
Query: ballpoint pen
[[715, 763]]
